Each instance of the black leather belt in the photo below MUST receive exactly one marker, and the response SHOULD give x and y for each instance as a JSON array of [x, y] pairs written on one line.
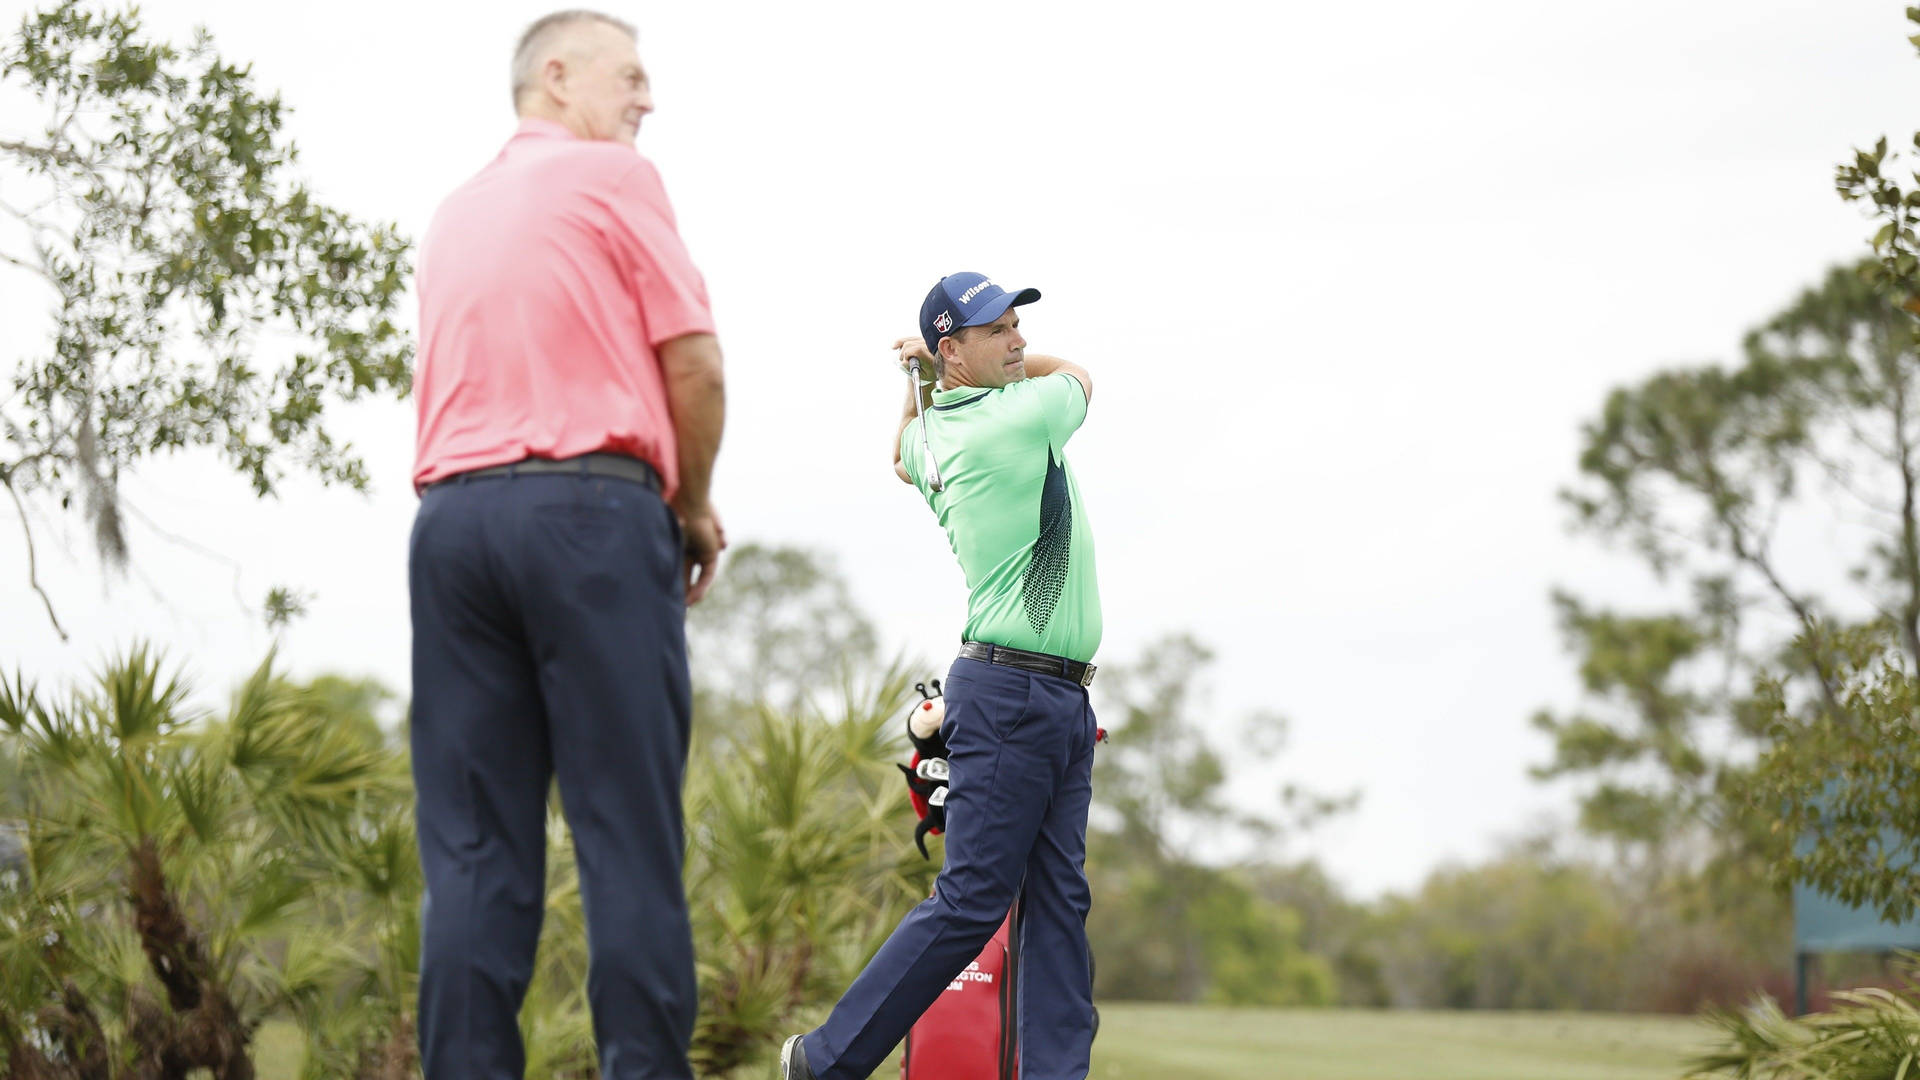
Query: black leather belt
[[618, 466], [1038, 662]]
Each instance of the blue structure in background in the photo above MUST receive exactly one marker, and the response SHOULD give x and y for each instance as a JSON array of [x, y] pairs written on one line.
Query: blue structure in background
[[1824, 924]]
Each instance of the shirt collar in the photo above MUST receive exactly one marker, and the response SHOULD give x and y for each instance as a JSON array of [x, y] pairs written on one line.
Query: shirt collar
[[544, 128], [959, 393]]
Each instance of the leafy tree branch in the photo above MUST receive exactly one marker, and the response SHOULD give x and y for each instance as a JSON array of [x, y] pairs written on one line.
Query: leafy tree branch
[[203, 296]]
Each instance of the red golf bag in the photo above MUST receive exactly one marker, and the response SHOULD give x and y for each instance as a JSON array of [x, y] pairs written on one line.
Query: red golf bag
[[970, 1033]]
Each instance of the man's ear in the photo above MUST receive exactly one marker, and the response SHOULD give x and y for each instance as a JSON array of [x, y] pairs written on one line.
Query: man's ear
[[553, 79], [949, 349]]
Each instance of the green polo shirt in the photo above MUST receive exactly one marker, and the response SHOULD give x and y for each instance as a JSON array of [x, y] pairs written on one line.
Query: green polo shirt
[[1013, 512]]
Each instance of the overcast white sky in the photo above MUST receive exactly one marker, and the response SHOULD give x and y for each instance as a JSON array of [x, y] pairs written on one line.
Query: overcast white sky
[[1350, 277]]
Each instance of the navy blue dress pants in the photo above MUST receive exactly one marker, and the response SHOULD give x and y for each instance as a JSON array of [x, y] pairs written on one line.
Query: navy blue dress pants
[[549, 641], [1021, 752]]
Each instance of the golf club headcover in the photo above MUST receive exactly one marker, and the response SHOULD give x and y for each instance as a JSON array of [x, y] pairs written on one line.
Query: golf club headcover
[[927, 787], [923, 727], [927, 773]]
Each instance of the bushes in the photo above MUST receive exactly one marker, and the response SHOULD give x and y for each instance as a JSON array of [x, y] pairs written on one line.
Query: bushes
[[797, 867], [1182, 931], [1515, 933], [1531, 929], [1871, 1034], [186, 876]]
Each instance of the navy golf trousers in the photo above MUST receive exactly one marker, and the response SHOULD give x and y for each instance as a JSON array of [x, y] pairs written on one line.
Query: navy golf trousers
[[1021, 751], [549, 640]]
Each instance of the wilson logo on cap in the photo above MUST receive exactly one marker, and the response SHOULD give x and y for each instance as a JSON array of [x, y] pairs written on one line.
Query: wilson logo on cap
[[944, 323]]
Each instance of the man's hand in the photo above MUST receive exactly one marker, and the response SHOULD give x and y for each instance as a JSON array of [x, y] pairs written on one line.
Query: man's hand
[[915, 348], [706, 538]]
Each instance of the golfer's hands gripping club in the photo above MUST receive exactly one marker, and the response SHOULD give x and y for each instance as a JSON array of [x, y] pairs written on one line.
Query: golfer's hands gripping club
[[915, 348], [706, 538]]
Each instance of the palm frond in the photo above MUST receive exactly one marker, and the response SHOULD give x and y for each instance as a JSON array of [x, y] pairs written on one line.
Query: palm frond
[[137, 702], [19, 702], [1871, 1034]]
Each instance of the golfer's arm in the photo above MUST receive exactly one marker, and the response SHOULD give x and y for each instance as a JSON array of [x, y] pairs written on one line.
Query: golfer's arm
[[906, 417], [697, 397], [1040, 366]]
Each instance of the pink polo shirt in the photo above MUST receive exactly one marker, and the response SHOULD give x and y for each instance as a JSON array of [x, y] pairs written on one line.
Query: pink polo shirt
[[546, 282]]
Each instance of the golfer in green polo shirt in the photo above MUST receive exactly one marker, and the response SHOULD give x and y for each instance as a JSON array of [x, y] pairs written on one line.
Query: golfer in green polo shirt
[[1019, 730]]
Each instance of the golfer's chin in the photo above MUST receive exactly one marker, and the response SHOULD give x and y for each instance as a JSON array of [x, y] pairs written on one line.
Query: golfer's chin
[[1015, 371]]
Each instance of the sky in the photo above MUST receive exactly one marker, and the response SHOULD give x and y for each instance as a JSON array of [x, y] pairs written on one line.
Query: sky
[[1349, 277]]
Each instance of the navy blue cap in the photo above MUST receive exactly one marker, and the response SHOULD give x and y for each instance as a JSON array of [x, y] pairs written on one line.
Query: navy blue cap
[[965, 299]]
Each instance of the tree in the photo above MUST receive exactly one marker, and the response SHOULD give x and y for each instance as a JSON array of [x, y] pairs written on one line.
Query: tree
[[778, 628], [1632, 665], [1332, 926], [1840, 783], [200, 295], [1840, 789], [1172, 922], [1701, 472], [1520, 932], [186, 876], [798, 866], [1165, 778], [1705, 473]]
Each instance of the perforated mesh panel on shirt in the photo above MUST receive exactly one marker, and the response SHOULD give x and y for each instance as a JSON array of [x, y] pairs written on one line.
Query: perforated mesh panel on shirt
[[1047, 572]]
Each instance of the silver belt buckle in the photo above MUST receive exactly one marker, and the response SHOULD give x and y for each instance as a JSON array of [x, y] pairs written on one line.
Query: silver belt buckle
[[1086, 677]]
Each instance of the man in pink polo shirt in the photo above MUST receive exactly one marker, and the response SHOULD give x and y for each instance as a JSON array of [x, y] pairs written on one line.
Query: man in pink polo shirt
[[570, 406]]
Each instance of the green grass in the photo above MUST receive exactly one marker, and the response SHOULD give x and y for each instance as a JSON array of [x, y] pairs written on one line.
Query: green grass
[[1172, 1042], [1178, 1042]]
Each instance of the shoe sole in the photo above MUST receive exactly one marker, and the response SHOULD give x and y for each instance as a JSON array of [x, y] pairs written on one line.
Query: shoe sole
[[787, 1050]]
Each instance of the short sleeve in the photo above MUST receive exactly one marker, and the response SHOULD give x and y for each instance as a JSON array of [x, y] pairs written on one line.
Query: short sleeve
[[671, 293], [1063, 403], [910, 450]]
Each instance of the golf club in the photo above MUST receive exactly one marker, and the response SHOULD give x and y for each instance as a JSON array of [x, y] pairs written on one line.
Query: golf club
[[933, 467]]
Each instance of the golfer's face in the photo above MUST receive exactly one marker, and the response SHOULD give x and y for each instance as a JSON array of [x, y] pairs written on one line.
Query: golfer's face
[[612, 92], [994, 354]]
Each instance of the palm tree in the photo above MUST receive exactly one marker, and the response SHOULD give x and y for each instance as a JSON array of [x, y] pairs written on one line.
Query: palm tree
[[182, 872]]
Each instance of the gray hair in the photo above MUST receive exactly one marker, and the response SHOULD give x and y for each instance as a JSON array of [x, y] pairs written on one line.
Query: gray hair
[[528, 54]]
